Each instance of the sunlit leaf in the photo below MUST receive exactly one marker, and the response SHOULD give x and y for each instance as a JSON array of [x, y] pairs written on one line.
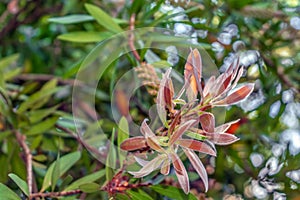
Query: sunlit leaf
[[71, 19], [103, 18], [207, 121], [123, 134], [222, 138], [82, 36], [151, 138], [172, 192], [140, 194], [181, 130], [21, 183]]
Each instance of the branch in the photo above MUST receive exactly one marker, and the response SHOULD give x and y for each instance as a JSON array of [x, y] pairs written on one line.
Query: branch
[[131, 38], [55, 194], [28, 158]]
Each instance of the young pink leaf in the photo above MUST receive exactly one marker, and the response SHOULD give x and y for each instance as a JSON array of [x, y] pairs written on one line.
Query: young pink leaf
[[134, 143], [196, 146], [198, 166], [149, 167], [236, 96], [181, 173], [151, 138], [181, 130], [208, 86], [222, 138], [224, 127], [207, 121]]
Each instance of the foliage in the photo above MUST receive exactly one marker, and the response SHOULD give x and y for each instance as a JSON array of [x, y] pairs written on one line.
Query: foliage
[[46, 44]]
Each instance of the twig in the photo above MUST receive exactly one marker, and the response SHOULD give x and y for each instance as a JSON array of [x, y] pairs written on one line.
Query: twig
[[28, 158], [45, 77], [131, 38], [55, 194]]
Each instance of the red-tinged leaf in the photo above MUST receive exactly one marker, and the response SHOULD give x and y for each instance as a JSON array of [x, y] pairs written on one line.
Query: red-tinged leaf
[[210, 83], [196, 146], [175, 121], [224, 127], [207, 121], [168, 94], [165, 168], [224, 85], [134, 143], [198, 166], [163, 93], [149, 167], [236, 96], [181, 173], [150, 137], [181, 130], [222, 138]]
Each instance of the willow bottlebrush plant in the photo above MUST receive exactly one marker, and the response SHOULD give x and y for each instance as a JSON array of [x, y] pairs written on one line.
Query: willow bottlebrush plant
[[189, 125]]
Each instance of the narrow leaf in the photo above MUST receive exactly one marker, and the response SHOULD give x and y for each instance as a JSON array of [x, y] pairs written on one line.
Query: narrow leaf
[[236, 96], [20, 182], [139, 195], [103, 18], [66, 162], [55, 173], [7, 194], [42, 127], [181, 130], [111, 158], [207, 121], [90, 187], [151, 138], [198, 166], [134, 143], [181, 173], [196, 146], [165, 168], [149, 167], [86, 179], [172, 192], [123, 134], [222, 138], [224, 127], [71, 19], [84, 37]]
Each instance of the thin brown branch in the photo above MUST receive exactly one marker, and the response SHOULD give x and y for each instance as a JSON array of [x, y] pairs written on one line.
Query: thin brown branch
[[45, 77], [28, 158], [131, 38], [55, 194]]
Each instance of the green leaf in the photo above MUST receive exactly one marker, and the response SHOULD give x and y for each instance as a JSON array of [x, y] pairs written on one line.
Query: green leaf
[[4, 135], [123, 134], [66, 162], [37, 115], [173, 192], [111, 158], [21, 183], [86, 179], [55, 173], [41, 97], [139, 195], [42, 127], [90, 187], [71, 19], [82, 36], [103, 18], [12, 73], [7, 61], [7, 194]]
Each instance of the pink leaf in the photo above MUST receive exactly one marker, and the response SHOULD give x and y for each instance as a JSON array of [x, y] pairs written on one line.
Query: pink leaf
[[198, 166], [151, 138], [222, 138], [207, 121], [181, 130], [196, 146], [149, 167], [141, 161], [208, 86], [224, 127], [134, 143], [181, 173], [165, 168], [236, 96]]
